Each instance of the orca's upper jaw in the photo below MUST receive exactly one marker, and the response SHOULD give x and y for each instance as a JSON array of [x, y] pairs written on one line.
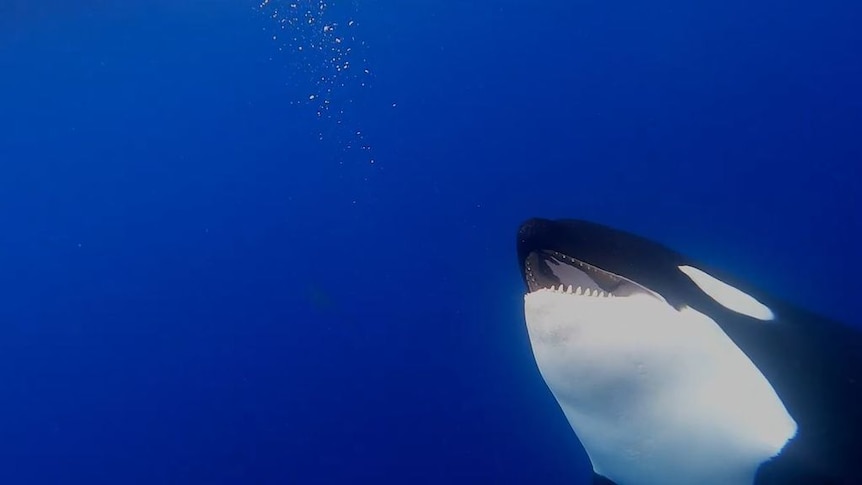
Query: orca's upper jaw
[[546, 264]]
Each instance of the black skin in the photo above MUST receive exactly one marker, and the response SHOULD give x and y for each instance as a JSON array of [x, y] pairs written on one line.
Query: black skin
[[813, 363]]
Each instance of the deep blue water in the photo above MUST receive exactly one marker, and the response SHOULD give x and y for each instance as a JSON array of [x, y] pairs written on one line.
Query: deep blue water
[[203, 281]]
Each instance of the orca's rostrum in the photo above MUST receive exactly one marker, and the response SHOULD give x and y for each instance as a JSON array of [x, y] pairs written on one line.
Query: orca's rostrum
[[670, 373]]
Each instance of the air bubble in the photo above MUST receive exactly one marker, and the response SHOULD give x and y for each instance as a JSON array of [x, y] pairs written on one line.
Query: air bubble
[[332, 65]]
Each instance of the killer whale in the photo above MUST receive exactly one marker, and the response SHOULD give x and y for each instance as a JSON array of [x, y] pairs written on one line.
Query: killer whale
[[670, 372]]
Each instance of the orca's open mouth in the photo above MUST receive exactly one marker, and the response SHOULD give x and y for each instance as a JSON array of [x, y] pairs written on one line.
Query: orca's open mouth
[[546, 269]]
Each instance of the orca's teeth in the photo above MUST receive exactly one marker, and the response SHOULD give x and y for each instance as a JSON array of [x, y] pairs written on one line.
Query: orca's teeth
[[580, 291]]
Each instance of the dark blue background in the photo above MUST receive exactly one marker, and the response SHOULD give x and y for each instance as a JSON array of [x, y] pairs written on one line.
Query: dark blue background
[[195, 289]]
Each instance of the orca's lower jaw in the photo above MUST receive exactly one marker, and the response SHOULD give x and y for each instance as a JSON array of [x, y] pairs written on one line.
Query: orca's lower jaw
[[556, 271]]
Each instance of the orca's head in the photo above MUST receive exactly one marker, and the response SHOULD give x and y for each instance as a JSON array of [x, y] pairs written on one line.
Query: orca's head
[[624, 333], [588, 260]]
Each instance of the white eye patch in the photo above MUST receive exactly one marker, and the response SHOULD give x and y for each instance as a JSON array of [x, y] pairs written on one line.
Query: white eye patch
[[728, 296]]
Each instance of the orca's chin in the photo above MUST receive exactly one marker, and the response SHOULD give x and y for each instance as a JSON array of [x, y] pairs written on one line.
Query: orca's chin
[[553, 270]]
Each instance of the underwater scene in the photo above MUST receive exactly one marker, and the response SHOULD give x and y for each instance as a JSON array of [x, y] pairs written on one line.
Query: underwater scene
[[421, 242]]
